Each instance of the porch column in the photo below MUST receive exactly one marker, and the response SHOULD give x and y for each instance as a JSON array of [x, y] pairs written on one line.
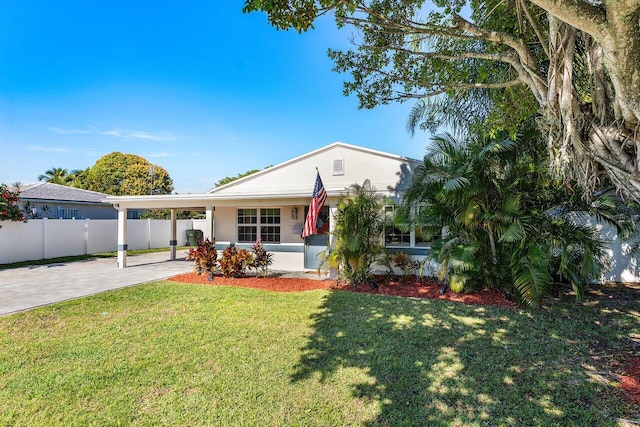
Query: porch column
[[333, 212], [122, 237], [208, 230], [174, 235]]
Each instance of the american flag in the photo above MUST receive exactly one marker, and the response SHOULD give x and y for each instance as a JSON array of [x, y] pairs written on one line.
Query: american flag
[[317, 201]]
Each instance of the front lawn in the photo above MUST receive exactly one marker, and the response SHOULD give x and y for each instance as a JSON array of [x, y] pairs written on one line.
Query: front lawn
[[175, 354]]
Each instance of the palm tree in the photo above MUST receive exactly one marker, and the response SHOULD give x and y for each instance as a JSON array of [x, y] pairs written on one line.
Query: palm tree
[[508, 224], [56, 176], [78, 178], [359, 226]]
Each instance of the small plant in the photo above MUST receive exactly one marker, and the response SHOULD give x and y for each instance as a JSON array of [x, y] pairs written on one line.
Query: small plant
[[404, 263], [234, 262], [261, 259], [205, 257]]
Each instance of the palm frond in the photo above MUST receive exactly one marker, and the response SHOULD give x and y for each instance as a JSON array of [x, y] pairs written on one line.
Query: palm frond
[[531, 275], [515, 233]]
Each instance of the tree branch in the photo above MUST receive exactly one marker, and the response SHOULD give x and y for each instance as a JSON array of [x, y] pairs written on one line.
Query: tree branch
[[544, 43], [577, 13]]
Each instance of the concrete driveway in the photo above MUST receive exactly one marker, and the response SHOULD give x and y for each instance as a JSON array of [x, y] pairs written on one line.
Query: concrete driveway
[[29, 287]]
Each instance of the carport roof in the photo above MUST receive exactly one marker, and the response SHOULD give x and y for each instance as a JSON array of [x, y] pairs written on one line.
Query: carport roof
[[200, 201]]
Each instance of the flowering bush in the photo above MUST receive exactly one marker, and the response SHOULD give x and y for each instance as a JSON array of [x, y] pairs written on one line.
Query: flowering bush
[[204, 257], [9, 209], [234, 262]]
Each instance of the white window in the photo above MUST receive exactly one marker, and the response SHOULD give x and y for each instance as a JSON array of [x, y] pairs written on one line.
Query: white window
[[267, 223], [393, 236], [68, 213], [421, 235]]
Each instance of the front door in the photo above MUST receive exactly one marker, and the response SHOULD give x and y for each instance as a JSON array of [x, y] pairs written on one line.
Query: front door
[[315, 244]]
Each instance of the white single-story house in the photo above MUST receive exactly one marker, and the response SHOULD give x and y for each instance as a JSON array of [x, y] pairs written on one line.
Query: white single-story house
[[271, 205]]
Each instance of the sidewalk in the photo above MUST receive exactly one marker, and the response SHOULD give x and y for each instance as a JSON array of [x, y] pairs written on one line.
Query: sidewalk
[[29, 287]]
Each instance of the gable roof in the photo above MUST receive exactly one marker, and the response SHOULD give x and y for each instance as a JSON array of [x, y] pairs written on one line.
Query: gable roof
[[293, 180], [388, 173], [49, 191]]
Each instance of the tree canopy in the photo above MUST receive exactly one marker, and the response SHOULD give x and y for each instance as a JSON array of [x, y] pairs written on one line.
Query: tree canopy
[[123, 174], [576, 62], [228, 179], [56, 176]]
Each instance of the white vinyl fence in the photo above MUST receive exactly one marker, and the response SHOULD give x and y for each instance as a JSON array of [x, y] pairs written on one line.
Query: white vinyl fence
[[52, 238]]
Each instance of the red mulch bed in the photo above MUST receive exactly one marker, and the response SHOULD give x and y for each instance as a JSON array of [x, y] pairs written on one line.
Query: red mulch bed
[[630, 380], [399, 288]]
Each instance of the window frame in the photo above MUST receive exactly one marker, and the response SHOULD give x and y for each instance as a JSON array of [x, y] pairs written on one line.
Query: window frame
[[405, 238], [413, 240], [264, 224]]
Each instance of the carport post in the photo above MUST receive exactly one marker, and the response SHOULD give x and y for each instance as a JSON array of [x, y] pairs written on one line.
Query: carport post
[[174, 239], [208, 228], [122, 237], [333, 213]]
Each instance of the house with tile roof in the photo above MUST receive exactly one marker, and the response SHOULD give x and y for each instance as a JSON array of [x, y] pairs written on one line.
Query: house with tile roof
[[47, 200]]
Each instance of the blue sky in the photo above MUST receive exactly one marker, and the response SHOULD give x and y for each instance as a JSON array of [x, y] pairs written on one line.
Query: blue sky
[[198, 88]]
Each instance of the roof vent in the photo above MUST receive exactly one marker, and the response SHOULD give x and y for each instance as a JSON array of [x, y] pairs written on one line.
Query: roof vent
[[338, 167]]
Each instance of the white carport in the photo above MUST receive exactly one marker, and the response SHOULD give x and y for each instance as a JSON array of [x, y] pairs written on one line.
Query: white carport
[[171, 202], [207, 202]]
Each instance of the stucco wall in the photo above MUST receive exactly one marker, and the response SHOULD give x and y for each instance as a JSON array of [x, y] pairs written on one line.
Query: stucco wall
[[387, 173]]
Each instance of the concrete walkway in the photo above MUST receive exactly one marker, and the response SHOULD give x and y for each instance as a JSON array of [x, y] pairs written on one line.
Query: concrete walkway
[[29, 287], [34, 286]]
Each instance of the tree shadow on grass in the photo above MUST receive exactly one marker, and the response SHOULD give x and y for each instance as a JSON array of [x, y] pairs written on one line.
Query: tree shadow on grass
[[442, 363]]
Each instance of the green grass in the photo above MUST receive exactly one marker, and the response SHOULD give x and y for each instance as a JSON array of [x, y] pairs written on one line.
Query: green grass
[[175, 354], [83, 257]]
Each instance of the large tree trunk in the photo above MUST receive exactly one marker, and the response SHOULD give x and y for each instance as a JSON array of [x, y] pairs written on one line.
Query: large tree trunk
[[590, 135]]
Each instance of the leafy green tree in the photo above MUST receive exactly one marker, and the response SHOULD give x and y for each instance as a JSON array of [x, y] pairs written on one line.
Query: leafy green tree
[[508, 224], [166, 214], [78, 178], [9, 209], [359, 227], [137, 179], [56, 176], [127, 174], [577, 63], [228, 179]]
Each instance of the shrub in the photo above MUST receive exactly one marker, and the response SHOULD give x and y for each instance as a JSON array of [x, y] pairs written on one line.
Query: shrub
[[204, 256], [234, 262], [509, 225], [403, 262], [9, 209], [261, 258]]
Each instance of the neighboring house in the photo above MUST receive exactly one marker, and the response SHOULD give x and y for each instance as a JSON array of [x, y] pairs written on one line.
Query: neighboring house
[[270, 205], [47, 200]]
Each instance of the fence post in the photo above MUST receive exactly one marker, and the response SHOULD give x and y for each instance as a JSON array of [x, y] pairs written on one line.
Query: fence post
[[44, 237], [86, 236]]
